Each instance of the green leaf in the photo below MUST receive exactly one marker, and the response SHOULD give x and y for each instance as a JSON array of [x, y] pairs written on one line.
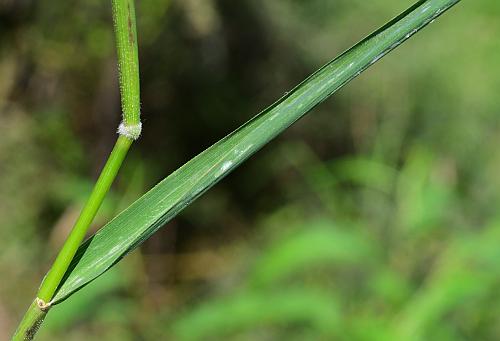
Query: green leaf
[[144, 217], [226, 317], [332, 245]]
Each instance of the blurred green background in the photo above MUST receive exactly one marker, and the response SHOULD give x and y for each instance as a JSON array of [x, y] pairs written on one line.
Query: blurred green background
[[374, 218]]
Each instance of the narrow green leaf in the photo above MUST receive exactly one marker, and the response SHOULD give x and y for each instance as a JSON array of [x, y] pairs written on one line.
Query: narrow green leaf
[[138, 222], [226, 317]]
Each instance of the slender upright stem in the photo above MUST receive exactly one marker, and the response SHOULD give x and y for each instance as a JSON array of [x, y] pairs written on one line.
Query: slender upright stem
[[75, 238], [128, 60], [129, 130]]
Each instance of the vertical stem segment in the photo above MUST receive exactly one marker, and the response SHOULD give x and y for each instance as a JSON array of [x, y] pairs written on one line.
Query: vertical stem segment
[[129, 130], [128, 60]]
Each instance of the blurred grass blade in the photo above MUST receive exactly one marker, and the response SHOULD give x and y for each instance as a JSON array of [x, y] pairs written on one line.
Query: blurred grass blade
[[294, 254], [227, 317], [138, 222]]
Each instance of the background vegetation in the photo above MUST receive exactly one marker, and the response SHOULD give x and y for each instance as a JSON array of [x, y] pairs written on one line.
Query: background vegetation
[[373, 218]]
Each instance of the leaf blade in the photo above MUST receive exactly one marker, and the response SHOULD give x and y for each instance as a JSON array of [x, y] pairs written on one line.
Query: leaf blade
[[145, 216]]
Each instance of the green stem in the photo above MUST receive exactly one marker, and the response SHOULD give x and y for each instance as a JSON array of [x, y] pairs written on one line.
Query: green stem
[[75, 238], [39, 308], [128, 60], [30, 323], [129, 130]]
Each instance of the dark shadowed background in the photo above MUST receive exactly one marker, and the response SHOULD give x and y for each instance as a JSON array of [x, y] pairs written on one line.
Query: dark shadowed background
[[373, 218]]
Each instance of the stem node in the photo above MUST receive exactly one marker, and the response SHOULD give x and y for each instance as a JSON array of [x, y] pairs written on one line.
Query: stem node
[[44, 306], [132, 132]]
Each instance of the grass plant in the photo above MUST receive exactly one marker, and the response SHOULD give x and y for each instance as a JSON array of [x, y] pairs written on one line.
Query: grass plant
[[78, 264]]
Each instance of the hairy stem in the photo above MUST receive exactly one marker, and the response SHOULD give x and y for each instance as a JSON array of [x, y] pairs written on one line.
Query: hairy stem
[[129, 130], [128, 60]]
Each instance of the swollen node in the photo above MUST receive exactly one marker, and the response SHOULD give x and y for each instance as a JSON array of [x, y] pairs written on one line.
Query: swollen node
[[131, 131]]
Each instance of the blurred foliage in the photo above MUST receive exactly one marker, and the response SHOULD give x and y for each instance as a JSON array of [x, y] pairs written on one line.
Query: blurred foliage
[[375, 218]]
